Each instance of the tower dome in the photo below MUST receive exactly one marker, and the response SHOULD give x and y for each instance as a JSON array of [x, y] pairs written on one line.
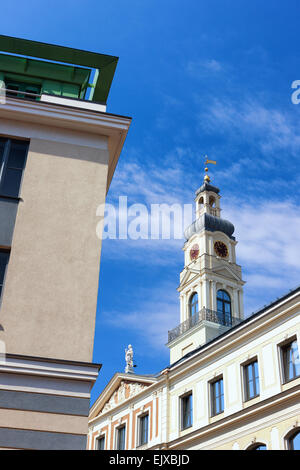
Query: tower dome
[[212, 224]]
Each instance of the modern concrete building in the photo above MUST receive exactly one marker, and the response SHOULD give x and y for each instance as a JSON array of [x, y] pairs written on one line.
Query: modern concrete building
[[58, 151], [232, 382]]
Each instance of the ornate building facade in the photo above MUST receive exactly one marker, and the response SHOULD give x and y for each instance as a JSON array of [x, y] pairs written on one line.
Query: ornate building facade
[[232, 382]]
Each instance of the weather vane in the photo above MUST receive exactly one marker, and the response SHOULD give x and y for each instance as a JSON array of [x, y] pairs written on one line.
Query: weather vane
[[206, 177]]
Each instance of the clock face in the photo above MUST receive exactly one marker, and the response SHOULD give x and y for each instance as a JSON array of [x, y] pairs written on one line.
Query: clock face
[[221, 249], [194, 252]]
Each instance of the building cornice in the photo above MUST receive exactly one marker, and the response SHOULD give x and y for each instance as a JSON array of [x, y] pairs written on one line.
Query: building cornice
[[112, 126], [281, 399], [52, 368]]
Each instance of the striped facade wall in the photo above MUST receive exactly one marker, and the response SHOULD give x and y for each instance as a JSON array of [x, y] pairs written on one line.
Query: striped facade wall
[[107, 427], [44, 405]]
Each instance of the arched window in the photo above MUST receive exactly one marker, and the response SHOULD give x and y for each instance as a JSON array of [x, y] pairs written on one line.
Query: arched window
[[193, 304], [293, 440], [224, 307], [212, 201], [200, 204], [258, 446]]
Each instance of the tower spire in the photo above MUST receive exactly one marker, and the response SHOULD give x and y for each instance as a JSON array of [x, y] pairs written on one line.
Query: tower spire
[[206, 177], [211, 284]]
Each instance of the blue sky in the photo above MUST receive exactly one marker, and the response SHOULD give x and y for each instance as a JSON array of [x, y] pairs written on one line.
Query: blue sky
[[198, 77]]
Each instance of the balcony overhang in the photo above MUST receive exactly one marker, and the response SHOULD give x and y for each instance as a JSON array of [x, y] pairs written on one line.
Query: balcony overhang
[[204, 317]]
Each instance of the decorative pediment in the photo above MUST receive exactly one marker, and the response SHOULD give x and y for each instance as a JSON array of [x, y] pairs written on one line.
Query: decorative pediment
[[226, 272], [188, 276], [124, 391]]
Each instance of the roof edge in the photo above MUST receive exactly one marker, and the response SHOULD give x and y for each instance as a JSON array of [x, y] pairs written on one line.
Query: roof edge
[[105, 63]]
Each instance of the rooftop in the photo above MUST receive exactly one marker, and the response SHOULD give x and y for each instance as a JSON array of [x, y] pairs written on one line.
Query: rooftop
[[34, 69]]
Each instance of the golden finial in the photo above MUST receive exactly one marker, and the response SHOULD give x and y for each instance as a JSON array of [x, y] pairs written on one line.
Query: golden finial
[[206, 177]]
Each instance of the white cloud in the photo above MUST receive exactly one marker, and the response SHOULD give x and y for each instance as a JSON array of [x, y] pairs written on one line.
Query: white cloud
[[152, 319], [270, 129], [203, 67], [268, 234], [148, 183]]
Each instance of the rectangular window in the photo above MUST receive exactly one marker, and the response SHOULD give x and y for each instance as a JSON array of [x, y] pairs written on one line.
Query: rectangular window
[[121, 437], [15, 89], [101, 443], [143, 429], [12, 162], [217, 397], [186, 411], [4, 257], [251, 380], [290, 361]]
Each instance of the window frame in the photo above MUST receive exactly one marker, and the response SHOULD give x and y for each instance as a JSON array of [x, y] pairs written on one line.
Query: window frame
[[5, 250], [139, 427], [225, 320], [256, 445], [244, 366], [118, 429], [182, 398], [281, 348], [98, 439], [212, 396], [21, 88], [290, 436], [193, 305], [4, 164]]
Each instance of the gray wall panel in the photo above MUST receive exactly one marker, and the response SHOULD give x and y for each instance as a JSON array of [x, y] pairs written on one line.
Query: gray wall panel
[[36, 440], [8, 211], [52, 385], [43, 402]]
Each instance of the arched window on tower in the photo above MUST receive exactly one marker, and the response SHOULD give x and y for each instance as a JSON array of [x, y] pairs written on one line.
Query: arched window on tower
[[224, 307], [193, 304], [200, 205], [293, 439], [212, 201], [212, 205]]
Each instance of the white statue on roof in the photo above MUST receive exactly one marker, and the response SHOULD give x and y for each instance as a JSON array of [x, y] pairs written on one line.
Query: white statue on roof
[[129, 359]]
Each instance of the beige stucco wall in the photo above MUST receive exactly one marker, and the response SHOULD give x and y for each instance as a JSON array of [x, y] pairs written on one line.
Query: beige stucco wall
[[270, 429], [49, 301], [272, 436], [38, 421]]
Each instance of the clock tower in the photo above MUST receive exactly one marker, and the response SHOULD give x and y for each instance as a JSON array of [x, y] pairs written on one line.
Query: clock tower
[[211, 285]]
